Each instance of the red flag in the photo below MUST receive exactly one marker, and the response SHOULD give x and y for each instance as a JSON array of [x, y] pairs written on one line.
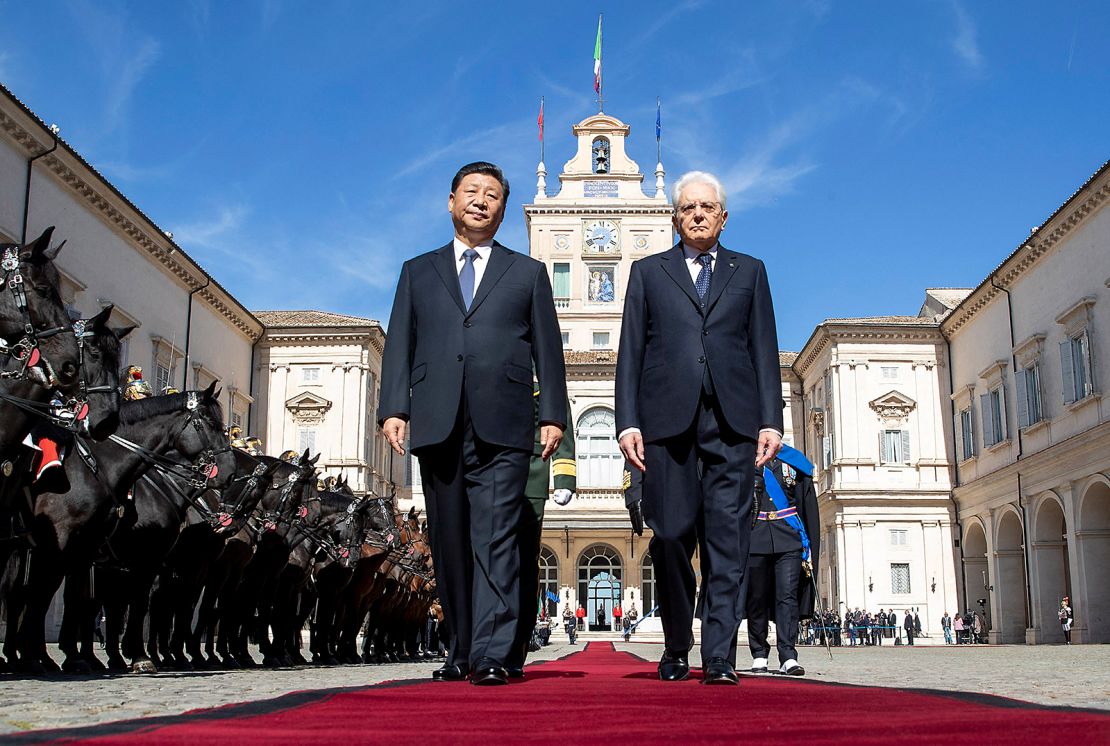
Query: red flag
[[540, 120]]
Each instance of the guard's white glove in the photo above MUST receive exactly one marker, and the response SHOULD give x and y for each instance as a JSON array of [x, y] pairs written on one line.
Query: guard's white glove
[[562, 496]]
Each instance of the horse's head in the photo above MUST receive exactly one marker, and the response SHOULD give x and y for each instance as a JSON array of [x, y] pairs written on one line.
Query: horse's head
[[33, 319], [288, 497], [192, 424], [97, 393], [253, 478]]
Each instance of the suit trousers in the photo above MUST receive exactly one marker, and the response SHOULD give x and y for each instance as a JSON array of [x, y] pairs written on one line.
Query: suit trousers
[[773, 579], [528, 542], [697, 490], [475, 499]]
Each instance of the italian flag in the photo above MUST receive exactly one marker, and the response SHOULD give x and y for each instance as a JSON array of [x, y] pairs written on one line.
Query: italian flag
[[597, 58]]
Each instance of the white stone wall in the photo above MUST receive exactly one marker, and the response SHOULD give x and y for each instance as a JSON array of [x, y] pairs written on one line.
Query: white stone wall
[[1035, 513]]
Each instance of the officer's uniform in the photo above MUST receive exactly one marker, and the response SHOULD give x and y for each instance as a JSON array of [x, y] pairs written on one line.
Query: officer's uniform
[[560, 471], [775, 578]]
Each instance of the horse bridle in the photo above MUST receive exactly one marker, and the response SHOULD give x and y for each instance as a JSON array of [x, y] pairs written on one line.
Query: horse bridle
[[268, 520], [26, 350], [199, 470]]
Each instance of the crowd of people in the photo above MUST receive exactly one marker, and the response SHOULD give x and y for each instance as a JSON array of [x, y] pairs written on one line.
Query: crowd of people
[[860, 627]]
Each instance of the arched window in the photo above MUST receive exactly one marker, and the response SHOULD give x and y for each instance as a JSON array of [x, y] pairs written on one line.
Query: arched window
[[647, 583], [549, 582], [599, 585], [600, 463]]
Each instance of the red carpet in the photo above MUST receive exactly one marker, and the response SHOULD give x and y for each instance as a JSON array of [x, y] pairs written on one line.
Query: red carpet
[[603, 696]]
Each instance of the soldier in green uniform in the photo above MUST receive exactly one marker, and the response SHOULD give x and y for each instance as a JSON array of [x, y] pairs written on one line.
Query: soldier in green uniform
[[561, 470]]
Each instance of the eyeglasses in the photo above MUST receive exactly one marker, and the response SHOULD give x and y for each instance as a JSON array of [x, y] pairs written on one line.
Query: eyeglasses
[[709, 209]]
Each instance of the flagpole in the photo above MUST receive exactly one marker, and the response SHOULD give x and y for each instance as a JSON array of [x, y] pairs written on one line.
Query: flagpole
[[601, 72], [541, 129], [658, 131]]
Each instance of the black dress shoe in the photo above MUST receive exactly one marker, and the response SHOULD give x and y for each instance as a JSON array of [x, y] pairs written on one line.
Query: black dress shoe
[[719, 671], [515, 672], [449, 672], [488, 672], [674, 667]]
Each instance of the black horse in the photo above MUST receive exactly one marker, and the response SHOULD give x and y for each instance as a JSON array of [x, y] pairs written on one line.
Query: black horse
[[335, 541], [324, 597], [38, 352], [231, 593], [186, 568], [168, 508], [70, 530]]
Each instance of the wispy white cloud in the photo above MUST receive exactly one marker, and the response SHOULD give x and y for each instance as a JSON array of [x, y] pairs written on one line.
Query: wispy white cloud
[[211, 231], [965, 40], [495, 134]]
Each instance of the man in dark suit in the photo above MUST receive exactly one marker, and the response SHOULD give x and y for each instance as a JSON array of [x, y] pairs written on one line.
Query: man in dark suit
[[699, 407], [470, 322]]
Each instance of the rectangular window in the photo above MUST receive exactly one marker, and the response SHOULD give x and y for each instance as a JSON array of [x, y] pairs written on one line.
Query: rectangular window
[[306, 439], [898, 537], [566, 340], [894, 446], [890, 373], [601, 340], [1029, 409], [1075, 360], [966, 435], [162, 377], [992, 410], [899, 577], [310, 375], [237, 419], [997, 413], [560, 281]]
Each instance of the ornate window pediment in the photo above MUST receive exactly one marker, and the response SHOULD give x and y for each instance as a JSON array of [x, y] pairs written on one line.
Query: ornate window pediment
[[307, 408], [893, 406]]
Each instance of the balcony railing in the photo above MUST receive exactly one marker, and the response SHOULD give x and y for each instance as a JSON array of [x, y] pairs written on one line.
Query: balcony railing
[[562, 302]]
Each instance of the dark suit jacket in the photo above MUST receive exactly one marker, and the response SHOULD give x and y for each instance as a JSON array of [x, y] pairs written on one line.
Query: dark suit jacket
[[435, 349], [668, 339]]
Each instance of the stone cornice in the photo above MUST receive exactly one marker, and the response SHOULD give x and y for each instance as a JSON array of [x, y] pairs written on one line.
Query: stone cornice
[[1067, 217], [828, 332], [116, 210], [585, 209], [322, 335]]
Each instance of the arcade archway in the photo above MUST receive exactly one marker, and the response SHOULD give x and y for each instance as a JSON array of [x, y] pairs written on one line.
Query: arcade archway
[[549, 583], [976, 572], [1050, 567], [1092, 609], [1009, 583]]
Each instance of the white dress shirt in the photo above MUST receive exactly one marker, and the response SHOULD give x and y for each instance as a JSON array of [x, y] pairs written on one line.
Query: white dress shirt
[[480, 261], [693, 263]]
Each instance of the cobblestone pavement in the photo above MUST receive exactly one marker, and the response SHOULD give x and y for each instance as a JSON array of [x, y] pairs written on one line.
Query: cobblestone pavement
[[1068, 675], [1054, 675]]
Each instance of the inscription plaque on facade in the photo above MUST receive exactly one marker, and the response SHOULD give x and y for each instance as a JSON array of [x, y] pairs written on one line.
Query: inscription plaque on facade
[[599, 188]]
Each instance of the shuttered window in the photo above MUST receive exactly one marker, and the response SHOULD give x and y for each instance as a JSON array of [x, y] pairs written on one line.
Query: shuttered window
[[560, 284], [894, 446]]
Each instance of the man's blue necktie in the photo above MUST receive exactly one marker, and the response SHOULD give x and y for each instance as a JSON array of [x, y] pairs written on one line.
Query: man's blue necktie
[[705, 275], [466, 277]]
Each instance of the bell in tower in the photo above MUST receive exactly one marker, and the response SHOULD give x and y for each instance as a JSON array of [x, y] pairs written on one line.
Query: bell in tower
[[601, 155]]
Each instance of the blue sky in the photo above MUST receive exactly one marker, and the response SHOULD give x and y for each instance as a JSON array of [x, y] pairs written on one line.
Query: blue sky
[[301, 151]]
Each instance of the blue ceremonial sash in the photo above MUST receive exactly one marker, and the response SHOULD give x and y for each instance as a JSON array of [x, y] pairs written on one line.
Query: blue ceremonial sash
[[778, 497], [797, 459]]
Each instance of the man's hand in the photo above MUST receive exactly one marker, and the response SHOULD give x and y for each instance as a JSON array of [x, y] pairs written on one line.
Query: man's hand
[[550, 437], [769, 445], [636, 514], [562, 496], [394, 430], [632, 446]]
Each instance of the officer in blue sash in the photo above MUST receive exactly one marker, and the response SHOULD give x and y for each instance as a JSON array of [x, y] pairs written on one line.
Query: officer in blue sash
[[782, 560]]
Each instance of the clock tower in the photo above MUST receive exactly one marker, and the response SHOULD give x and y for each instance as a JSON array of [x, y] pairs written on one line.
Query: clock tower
[[588, 232]]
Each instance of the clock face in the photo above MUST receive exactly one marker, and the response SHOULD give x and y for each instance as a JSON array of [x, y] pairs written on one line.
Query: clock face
[[601, 236]]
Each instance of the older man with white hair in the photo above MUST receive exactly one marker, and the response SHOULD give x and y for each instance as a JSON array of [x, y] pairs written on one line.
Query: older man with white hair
[[699, 409]]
